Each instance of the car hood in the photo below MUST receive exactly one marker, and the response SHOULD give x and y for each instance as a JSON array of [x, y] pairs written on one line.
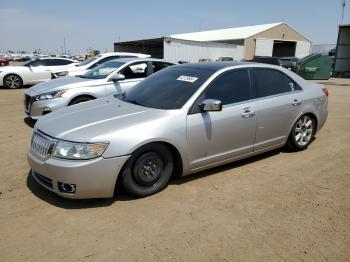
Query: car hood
[[62, 83], [97, 120]]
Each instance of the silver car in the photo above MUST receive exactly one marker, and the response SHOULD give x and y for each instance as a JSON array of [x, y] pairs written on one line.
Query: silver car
[[114, 76], [179, 121]]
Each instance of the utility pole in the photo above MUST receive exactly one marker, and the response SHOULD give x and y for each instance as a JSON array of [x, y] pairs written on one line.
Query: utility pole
[[343, 3], [64, 45]]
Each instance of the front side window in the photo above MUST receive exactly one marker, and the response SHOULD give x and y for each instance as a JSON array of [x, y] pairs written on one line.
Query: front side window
[[272, 82], [230, 87], [103, 70], [136, 70]]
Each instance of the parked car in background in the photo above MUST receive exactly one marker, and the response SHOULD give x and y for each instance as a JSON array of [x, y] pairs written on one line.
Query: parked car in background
[[83, 67], [183, 119], [204, 60], [112, 77], [4, 61], [290, 62], [32, 72], [278, 61], [226, 59]]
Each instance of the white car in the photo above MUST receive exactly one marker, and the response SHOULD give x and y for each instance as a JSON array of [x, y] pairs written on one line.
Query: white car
[[32, 72], [88, 64], [113, 77]]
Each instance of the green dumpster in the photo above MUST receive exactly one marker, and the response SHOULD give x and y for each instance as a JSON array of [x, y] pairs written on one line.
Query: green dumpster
[[315, 67]]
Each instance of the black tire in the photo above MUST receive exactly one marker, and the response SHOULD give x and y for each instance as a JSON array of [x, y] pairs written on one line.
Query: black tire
[[80, 99], [13, 81], [140, 181], [302, 133]]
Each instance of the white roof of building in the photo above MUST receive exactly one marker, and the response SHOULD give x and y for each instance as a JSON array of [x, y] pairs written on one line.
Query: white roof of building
[[235, 33]]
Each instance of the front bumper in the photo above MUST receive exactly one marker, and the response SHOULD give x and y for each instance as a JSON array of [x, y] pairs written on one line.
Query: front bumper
[[36, 109], [94, 178]]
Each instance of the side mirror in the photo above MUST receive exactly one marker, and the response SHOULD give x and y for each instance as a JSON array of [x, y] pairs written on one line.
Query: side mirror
[[211, 105], [117, 77]]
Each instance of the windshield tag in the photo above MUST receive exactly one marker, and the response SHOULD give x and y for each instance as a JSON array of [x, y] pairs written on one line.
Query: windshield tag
[[190, 79]]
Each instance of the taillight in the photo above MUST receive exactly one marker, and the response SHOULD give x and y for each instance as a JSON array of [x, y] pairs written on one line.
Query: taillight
[[325, 91]]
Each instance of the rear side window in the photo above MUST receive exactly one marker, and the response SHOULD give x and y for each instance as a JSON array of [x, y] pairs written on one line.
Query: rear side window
[[272, 82], [62, 62], [231, 87], [157, 66]]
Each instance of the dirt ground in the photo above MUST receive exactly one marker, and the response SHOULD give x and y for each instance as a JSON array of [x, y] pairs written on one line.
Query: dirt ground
[[280, 206]]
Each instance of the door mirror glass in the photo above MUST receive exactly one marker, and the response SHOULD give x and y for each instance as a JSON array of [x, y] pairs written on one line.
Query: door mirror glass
[[210, 105], [117, 77]]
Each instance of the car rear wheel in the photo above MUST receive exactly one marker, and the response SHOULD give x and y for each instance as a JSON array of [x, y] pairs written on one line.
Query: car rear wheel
[[148, 170], [302, 133], [13, 81]]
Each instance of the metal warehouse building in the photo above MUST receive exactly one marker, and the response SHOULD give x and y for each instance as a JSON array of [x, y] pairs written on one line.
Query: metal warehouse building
[[277, 39]]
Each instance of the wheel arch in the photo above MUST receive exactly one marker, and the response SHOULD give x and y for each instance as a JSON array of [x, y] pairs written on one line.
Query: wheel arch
[[13, 73], [79, 96]]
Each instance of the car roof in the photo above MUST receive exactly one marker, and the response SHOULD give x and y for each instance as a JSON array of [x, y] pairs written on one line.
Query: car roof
[[135, 59], [53, 57], [213, 66], [118, 53]]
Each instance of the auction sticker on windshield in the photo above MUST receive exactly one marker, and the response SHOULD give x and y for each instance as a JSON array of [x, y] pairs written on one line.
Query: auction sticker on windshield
[[190, 79]]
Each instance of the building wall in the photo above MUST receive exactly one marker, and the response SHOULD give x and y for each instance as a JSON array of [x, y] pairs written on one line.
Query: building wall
[[192, 51], [280, 32]]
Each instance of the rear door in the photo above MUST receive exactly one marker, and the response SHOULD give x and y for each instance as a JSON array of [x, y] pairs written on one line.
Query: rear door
[[217, 136], [278, 99]]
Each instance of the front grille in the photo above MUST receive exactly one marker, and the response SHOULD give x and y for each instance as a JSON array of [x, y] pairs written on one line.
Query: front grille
[[28, 101], [42, 145], [43, 179]]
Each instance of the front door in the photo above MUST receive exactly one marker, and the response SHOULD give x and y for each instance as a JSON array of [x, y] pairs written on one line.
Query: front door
[[218, 136]]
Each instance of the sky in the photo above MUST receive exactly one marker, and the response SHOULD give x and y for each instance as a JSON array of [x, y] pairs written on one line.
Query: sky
[[28, 25]]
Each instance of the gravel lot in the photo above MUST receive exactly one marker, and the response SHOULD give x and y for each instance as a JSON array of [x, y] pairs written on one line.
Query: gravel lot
[[280, 206]]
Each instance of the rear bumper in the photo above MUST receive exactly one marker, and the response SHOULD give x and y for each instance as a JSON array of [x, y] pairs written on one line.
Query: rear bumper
[[322, 119], [94, 178]]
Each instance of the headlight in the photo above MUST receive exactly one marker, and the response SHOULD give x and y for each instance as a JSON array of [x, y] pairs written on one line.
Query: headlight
[[50, 95], [71, 150]]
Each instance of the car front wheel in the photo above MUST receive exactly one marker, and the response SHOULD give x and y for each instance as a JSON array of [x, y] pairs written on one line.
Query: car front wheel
[[302, 133], [148, 170]]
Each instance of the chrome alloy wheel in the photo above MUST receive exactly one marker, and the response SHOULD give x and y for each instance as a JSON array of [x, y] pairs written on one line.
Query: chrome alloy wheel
[[12, 81], [304, 130]]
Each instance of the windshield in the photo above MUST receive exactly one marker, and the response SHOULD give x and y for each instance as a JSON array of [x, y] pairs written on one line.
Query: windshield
[[170, 88], [89, 60], [103, 70]]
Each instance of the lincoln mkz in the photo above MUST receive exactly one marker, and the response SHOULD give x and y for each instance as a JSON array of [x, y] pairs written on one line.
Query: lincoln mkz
[[181, 120]]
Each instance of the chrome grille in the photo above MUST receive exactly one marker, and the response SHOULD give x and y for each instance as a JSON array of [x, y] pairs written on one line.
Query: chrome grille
[[42, 145]]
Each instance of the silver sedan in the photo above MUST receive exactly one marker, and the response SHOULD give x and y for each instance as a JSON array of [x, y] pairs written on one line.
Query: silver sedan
[[179, 121], [112, 77]]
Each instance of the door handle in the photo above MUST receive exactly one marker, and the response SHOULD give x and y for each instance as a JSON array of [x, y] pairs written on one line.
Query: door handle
[[296, 102], [247, 112]]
